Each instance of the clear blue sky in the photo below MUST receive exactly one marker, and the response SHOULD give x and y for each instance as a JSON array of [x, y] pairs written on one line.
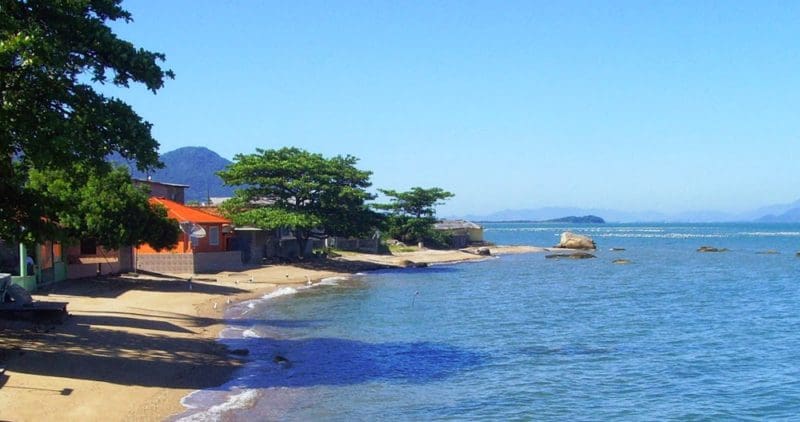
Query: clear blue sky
[[638, 105]]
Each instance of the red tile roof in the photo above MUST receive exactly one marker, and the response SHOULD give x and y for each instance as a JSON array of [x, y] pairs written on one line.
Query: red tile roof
[[181, 212]]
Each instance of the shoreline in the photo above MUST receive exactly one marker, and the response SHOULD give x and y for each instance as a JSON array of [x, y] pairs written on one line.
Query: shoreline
[[134, 347]]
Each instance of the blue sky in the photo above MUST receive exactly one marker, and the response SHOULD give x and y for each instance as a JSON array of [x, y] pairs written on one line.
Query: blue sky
[[659, 105]]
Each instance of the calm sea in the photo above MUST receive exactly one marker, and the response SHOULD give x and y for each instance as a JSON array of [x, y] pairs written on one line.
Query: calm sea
[[677, 334]]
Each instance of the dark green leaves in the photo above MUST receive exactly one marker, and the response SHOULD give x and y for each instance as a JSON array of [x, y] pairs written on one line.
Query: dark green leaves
[[50, 117], [303, 191], [104, 206], [412, 213]]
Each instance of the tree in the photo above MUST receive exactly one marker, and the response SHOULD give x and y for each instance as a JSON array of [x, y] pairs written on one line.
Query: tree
[[411, 214], [106, 207], [292, 188], [52, 55]]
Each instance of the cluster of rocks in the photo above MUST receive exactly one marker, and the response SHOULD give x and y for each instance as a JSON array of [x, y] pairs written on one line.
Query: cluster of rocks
[[581, 243], [711, 249]]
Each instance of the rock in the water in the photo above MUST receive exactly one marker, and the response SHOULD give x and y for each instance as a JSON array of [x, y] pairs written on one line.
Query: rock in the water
[[420, 265], [576, 255], [571, 240], [240, 352], [769, 252], [617, 249], [484, 251], [621, 261], [711, 249]]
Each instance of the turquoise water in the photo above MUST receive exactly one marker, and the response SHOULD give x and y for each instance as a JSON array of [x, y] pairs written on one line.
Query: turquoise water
[[677, 334]]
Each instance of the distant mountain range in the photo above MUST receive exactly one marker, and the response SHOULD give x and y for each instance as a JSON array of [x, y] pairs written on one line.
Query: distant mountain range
[[193, 166]]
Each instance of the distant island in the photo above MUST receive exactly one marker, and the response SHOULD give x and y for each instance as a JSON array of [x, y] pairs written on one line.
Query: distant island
[[586, 219]]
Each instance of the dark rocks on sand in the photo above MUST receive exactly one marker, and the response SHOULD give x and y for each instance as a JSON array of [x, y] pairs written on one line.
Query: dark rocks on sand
[[576, 255], [621, 261], [411, 264], [571, 240], [483, 251], [711, 249]]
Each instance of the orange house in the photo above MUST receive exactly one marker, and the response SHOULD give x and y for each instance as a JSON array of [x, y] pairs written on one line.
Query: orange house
[[202, 247]]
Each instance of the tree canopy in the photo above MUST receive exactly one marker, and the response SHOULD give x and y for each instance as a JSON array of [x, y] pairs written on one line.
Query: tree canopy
[[312, 195], [411, 214], [416, 202], [52, 56], [106, 207]]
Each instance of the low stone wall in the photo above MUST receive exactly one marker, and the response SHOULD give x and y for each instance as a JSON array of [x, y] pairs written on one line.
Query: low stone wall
[[213, 262], [166, 263], [357, 245]]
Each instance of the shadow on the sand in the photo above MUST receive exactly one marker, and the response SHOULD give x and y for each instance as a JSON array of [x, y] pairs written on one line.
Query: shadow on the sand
[[338, 265], [110, 287], [129, 322], [336, 361], [75, 350]]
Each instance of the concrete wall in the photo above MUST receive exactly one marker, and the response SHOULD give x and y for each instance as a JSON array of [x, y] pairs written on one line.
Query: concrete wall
[[125, 259], [213, 262], [187, 263], [358, 245], [166, 263]]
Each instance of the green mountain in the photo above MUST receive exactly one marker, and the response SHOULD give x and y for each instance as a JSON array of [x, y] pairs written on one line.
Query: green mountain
[[193, 166]]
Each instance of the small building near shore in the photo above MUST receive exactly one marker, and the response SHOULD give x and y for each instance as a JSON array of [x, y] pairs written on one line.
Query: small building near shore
[[205, 244], [462, 232]]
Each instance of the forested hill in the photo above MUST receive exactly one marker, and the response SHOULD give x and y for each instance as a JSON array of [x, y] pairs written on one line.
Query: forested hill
[[193, 166]]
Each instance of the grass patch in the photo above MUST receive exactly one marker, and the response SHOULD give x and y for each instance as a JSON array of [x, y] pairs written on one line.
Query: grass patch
[[400, 249]]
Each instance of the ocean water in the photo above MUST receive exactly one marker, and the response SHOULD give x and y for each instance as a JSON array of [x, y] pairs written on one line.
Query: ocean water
[[677, 334]]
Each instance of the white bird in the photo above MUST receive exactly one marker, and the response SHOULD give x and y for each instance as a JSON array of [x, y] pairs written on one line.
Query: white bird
[[228, 301], [308, 280], [215, 305]]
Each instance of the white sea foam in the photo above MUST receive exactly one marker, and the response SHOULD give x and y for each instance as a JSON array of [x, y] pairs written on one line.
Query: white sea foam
[[250, 333], [771, 234], [330, 281], [237, 401], [661, 236], [283, 291]]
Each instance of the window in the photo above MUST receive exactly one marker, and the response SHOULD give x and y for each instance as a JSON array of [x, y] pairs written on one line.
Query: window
[[213, 235], [88, 247]]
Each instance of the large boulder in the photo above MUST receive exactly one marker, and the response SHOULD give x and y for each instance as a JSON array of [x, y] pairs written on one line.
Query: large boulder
[[571, 240], [484, 251]]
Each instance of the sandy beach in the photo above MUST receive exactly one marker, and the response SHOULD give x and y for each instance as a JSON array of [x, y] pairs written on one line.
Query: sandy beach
[[133, 346]]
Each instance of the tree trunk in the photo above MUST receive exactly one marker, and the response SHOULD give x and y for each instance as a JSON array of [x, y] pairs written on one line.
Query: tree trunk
[[302, 242]]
